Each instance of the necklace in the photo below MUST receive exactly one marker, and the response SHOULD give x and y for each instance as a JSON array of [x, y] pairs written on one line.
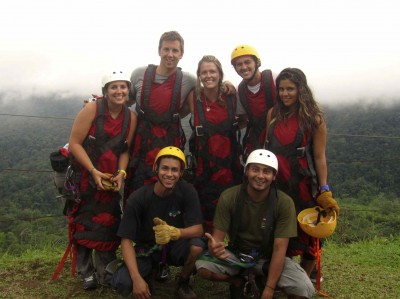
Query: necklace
[[208, 108]]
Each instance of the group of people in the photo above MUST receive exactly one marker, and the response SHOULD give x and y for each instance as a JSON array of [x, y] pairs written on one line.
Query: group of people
[[236, 220]]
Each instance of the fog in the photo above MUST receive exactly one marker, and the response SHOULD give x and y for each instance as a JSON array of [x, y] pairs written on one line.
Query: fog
[[349, 50]]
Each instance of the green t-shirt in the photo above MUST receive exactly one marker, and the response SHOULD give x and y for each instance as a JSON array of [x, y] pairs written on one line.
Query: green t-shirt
[[250, 232]]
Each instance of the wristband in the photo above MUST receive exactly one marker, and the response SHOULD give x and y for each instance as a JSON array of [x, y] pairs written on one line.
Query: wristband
[[267, 286], [123, 171], [324, 188]]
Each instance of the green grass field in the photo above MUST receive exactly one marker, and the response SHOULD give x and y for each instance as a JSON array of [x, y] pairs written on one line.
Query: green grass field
[[367, 269]]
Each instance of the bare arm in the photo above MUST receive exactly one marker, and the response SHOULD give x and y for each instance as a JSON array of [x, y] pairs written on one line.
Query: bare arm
[[187, 106], [192, 231], [319, 140], [80, 129], [229, 88], [275, 267], [140, 288]]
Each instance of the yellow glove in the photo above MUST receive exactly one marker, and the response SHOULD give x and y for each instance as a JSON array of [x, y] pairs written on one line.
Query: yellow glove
[[164, 232], [326, 201]]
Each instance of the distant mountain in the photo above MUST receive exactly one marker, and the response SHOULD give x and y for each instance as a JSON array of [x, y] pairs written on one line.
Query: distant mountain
[[362, 151]]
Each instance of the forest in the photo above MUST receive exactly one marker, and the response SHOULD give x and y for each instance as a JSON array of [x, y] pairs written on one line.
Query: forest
[[362, 152]]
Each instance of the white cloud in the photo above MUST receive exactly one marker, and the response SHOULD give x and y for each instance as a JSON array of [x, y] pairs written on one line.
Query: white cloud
[[348, 49]]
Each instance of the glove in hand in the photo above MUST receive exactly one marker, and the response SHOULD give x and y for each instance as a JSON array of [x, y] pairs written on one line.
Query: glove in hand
[[326, 201], [164, 232]]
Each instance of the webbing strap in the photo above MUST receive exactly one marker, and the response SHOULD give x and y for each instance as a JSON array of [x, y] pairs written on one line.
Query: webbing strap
[[267, 75], [145, 99], [206, 256], [318, 252], [71, 251], [270, 218], [102, 144], [267, 93]]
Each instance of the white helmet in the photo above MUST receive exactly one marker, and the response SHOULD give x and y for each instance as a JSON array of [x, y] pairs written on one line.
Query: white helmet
[[264, 157], [115, 76]]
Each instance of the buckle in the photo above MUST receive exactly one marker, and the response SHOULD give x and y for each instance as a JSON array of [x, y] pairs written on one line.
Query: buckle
[[246, 258], [175, 117], [199, 130], [301, 151]]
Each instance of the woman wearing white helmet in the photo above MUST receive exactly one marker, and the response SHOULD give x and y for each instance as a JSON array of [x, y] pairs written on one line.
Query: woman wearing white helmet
[[100, 137]]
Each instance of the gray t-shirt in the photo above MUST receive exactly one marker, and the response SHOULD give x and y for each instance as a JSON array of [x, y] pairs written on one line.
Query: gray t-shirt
[[137, 76]]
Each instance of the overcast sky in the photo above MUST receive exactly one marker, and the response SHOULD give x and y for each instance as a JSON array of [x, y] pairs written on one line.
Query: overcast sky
[[348, 49]]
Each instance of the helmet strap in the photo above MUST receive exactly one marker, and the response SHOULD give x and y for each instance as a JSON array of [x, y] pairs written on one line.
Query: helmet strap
[[255, 70]]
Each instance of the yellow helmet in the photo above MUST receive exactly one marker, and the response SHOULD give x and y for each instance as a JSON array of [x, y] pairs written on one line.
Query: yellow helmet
[[170, 151], [243, 50], [317, 222]]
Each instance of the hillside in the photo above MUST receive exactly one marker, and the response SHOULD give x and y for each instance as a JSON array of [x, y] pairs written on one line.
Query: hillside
[[367, 269], [362, 152]]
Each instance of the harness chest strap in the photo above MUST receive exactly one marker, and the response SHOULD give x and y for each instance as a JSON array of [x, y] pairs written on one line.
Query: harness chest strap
[[269, 223], [145, 98], [267, 92]]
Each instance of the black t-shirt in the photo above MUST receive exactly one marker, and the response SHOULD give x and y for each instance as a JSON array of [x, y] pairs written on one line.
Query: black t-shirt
[[180, 209]]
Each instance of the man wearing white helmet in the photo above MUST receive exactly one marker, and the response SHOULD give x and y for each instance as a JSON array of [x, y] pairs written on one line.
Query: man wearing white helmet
[[259, 220]]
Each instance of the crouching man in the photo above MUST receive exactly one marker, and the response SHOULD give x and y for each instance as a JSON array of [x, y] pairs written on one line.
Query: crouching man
[[161, 225], [259, 220]]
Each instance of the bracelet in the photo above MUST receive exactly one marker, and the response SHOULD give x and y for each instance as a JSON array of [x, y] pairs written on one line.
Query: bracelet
[[324, 188], [91, 170], [123, 171], [267, 286]]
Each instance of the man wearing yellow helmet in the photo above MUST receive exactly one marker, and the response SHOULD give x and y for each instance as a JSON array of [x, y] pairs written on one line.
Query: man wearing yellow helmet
[[256, 93], [164, 221]]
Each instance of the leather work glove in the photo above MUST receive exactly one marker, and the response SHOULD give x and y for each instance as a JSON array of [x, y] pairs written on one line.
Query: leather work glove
[[326, 201], [164, 232]]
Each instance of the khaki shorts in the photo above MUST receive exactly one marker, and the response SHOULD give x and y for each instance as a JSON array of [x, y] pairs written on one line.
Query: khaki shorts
[[293, 280]]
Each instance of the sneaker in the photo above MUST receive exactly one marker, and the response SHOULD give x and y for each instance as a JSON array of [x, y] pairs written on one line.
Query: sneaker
[[184, 290], [89, 283], [313, 276]]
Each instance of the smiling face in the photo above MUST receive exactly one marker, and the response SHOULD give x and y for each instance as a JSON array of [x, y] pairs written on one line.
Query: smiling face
[[260, 177], [117, 92], [169, 172], [170, 53], [289, 94], [209, 75], [245, 66]]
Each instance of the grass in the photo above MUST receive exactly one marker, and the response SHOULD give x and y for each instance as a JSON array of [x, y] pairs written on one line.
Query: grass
[[366, 269]]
